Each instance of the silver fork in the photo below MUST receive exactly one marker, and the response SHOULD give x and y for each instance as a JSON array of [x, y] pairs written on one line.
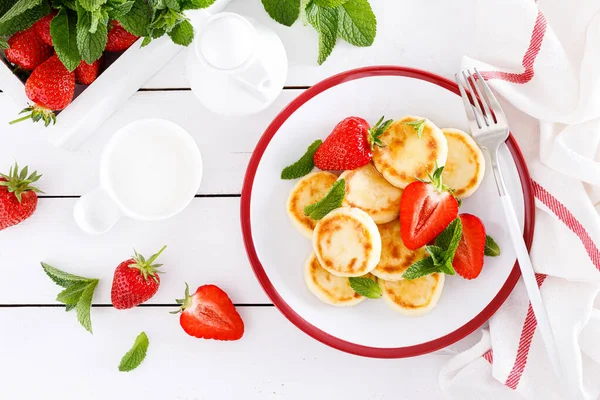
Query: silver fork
[[489, 128]]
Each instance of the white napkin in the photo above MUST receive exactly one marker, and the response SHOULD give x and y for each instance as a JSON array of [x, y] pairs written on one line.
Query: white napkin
[[543, 59]]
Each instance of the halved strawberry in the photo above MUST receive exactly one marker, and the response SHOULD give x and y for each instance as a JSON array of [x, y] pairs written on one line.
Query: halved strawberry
[[468, 260], [210, 314], [426, 209]]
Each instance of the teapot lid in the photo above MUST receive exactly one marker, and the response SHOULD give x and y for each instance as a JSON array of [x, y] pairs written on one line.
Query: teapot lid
[[227, 41]]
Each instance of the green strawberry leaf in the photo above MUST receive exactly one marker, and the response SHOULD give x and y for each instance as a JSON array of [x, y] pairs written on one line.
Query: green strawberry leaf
[[24, 20], [491, 247], [63, 29], [90, 44], [91, 5], [196, 4], [329, 3], [325, 21], [304, 165], [182, 34], [418, 126], [84, 305], [365, 287], [357, 23], [330, 202], [283, 11], [134, 357], [138, 19], [17, 8], [420, 268], [62, 278]]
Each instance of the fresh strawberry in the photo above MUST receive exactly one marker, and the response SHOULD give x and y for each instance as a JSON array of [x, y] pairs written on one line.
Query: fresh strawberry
[[135, 281], [42, 27], [51, 87], [18, 199], [27, 50], [468, 260], [426, 209], [350, 144], [209, 314], [86, 73], [118, 38]]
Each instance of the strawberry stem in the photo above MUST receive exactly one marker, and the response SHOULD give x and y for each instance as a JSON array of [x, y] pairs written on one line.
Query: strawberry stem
[[18, 182], [147, 267], [185, 302], [376, 131], [37, 113]]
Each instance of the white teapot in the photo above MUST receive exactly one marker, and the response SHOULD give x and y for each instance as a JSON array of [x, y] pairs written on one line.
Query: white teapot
[[236, 66]]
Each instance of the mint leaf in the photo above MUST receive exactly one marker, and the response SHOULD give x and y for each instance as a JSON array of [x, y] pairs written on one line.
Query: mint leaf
[[491, 247], [304, 165], [447, 267], [444, 239], [62, 278], [138, 18], [18, 8], [90, 44], [418, 126], [72, 294], [436, 253], [420, 268], [134, 357], [3, 44], [63, 29], [330, 202], [78, 293], [119, 9], [182, 34], [70, 4], [455, 228], [84, 305], [172, 4], [325, 21], [365, 287], [91, 5], [283, 11], [357, 23], [24, 20], [196, 4], [329, 3]]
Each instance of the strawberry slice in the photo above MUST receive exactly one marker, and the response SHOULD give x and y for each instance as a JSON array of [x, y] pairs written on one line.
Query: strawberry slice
[[426, 209], [468, 260], [210, 314]]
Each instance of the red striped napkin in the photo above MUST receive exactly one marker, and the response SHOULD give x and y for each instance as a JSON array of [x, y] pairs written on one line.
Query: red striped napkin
[[543, 59]]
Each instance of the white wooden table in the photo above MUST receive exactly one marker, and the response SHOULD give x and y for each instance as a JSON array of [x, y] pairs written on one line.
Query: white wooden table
[[44, 353]]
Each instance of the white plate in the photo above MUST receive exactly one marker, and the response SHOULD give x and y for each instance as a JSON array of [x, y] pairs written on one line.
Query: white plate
[[277, 251]]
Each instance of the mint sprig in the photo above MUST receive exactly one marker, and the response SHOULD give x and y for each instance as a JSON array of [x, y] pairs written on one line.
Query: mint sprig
[[78, 293], [418, 126], [491, 247], [63, 30], [304, 165], [136, 355], [441, 255], [332, 200], [350, 20], [366, 287]]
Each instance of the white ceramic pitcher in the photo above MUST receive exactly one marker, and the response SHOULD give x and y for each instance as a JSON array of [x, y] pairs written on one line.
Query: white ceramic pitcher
[[236, 66]]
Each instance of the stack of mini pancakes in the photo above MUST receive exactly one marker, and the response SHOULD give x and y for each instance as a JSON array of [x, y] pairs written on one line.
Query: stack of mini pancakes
[[362, 238]]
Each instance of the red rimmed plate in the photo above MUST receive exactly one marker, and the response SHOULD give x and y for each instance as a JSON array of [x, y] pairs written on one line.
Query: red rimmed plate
[[277, 251]]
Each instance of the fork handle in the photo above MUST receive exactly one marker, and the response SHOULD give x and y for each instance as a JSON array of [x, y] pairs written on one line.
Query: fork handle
[[527, 271], [533, 291]]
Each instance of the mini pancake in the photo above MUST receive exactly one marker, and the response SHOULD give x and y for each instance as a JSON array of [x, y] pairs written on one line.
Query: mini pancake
[[395, 257], [347, 242], [331, 289], [308, 190], [368, 190], [413, 297], [407, 157], [465, 165]]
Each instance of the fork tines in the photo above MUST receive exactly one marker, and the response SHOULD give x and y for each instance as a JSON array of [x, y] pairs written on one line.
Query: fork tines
[[481, 105]]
